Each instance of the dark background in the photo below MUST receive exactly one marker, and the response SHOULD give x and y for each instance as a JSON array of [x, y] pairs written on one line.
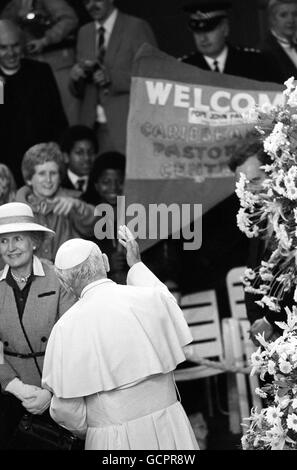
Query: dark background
[[247, 20]]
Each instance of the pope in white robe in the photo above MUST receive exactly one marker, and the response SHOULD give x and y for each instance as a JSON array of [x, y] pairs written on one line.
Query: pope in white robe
[[110, 358]]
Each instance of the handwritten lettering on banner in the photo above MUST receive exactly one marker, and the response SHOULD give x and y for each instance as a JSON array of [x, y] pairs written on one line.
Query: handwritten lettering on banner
[[188, 131]]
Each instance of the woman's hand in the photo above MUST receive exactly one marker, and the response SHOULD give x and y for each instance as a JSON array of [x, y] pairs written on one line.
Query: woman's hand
[[132, 249], [20, 390], [64, 204]]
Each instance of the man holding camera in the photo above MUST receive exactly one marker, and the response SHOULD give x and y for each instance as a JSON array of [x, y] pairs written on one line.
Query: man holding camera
[[102, 73]]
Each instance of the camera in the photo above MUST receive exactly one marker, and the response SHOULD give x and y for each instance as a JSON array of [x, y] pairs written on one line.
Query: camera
[[89, 68]]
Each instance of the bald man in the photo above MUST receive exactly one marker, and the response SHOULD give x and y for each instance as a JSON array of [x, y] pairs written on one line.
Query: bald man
[[32, 110], [50, 37]]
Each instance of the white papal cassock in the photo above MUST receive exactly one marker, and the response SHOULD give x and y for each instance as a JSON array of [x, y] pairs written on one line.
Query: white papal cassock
[[110, 361]]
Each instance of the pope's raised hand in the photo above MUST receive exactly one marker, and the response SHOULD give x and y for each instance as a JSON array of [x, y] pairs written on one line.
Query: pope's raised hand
[[128, 241]]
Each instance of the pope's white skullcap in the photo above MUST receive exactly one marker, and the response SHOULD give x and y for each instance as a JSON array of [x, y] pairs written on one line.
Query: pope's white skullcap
[[73, 252]]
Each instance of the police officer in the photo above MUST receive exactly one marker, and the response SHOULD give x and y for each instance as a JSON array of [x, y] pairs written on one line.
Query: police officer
[[209, 23]]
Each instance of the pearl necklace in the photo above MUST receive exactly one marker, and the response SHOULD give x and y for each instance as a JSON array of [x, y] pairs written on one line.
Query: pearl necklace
[[20, 279]]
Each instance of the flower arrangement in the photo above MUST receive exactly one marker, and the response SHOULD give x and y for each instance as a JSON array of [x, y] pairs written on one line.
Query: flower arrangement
[[271, 212], [275, 427]]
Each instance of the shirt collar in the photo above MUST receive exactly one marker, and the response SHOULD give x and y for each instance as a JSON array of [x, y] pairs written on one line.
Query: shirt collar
[[109, 22], [282, 41], [95, 284], [74, 178], [37, 269], [9, 73], [221, 59]]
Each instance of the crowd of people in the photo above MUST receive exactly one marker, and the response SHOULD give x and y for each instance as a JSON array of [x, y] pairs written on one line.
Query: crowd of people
[[63, 151]]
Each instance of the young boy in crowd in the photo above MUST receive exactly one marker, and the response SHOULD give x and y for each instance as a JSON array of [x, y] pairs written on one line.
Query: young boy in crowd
[[80, 148]]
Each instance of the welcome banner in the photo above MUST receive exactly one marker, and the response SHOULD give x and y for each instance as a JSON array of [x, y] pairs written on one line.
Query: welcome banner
[[184, 124]]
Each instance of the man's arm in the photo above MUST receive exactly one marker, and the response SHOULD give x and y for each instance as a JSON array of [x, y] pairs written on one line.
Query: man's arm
[[65, 20], [77, 82], [70, 413]]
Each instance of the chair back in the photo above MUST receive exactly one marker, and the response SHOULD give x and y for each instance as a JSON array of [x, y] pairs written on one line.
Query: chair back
[[236, 293], [241, 387], [201, 313], [248, 348]]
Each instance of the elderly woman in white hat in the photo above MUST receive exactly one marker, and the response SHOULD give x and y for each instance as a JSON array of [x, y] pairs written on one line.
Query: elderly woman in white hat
[[31, 301]]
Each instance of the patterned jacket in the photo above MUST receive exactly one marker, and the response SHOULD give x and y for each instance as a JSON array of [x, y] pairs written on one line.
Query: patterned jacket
[[75, 224], [46, 302]]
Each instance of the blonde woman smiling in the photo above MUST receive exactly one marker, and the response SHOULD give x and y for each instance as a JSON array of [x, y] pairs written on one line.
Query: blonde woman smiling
[[55, 207]]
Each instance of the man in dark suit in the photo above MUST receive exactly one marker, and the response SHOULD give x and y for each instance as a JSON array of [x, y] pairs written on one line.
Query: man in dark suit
[[32, 111], [209, 24], [280, 43], [101, 77]]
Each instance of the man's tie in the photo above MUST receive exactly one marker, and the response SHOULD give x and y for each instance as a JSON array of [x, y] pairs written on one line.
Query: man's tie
[[101, 44], [80, 184], [216, 66]]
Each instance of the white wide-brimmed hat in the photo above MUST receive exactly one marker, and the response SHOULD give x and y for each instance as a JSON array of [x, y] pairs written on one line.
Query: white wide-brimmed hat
[[74, 252], [18, 217]]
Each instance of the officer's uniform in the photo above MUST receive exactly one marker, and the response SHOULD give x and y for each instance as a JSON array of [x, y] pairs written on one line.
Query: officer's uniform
[[240, 61]]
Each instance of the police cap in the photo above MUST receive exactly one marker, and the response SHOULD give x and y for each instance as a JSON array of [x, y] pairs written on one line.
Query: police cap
[[206, 15]]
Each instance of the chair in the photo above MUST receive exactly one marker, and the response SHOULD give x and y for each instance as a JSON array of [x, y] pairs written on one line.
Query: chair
[[241, 387], [236, 293], [238, 311], [201, 313], [248, 349]]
